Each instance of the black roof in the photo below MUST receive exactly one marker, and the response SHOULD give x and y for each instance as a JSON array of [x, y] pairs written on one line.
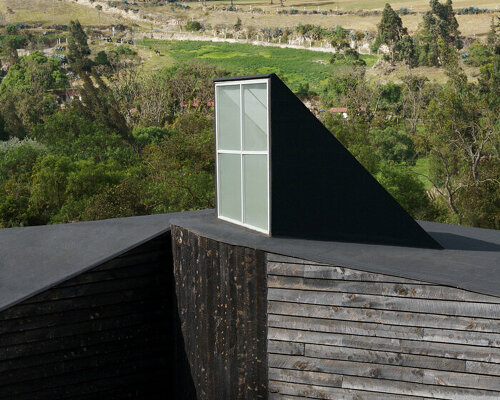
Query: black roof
[[470, 258], [33, 259]]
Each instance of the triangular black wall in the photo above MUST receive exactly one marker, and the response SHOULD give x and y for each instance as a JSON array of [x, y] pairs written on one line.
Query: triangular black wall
[[320, 191]]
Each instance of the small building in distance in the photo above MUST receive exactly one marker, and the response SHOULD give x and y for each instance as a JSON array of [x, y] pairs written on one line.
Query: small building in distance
[[339, 110]]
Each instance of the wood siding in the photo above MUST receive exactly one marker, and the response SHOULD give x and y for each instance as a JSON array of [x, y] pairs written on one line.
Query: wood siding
[[339, 333], [221, 291], [112, 332]]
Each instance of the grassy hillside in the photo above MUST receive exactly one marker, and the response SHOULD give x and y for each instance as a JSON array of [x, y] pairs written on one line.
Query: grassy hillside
[[469, 24], [51, 11], [295, 66], [352, 5]]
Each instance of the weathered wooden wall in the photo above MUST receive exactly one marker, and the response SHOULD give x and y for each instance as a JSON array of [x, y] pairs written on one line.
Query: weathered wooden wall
[[338, 333], [112, 332], [221, 292]]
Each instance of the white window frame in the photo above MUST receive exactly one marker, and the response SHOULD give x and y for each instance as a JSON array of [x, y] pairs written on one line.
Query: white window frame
[[242, 152]]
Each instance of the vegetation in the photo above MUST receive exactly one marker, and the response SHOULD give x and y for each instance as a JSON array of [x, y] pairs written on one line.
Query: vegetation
[[138, 136], [296, 67]]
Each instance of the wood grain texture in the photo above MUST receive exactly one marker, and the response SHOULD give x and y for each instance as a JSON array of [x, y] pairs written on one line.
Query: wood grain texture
[[221, 291], [372, 336], [111, 332], [385, 316]]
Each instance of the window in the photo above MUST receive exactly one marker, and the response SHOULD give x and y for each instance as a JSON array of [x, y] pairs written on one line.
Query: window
[[242, 141]]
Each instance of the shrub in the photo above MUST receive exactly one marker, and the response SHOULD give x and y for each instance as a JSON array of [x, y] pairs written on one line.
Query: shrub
[[193, 26]]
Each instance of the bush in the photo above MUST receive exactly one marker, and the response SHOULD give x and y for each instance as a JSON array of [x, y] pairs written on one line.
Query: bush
[[101, 58], [478, 55], [123, 50], [193, 26], [11, 29]]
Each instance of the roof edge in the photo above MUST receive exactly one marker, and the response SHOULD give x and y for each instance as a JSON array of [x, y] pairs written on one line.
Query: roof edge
[[243, 78]]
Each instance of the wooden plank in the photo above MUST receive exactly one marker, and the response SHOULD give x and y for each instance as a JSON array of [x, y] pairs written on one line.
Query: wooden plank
[[307, 377], [271, 257], [280, 396], [319, 271], [415, 389], [233, 316], [477, 367], [382, 357], [447, 350], [126, 271], [345, 327], [30, 322], [222, 308], [448, 378], [24, 309], [481, 310], [382, 330], [324, 392], [92, 325], [385, 317], [279, 347], [414, 291], [391, 372], [94, 288], [21, 377], [66, 381], [261, 314], [90, 346], [219, 265]]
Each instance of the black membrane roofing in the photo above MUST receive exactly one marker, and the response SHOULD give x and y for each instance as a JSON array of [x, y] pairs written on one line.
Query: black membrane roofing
[[470, 259], [33, 259]]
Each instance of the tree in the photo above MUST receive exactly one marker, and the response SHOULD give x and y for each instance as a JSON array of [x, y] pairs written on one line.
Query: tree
[[99, 103], [69, 133], [78, 48], [101, 58], [493, 38], [415, 99], [439, 30], [390, 30], [181, 167], [406, 188], [461, 138], [9, 49], [25, 97]]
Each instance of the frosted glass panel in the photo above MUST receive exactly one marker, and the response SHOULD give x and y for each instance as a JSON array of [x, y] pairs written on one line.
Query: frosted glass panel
[[255, 190], [255, 117], [230, 186], [228, 117]]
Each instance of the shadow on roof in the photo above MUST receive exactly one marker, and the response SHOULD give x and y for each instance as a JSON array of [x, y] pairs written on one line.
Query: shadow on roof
[[452, 241]]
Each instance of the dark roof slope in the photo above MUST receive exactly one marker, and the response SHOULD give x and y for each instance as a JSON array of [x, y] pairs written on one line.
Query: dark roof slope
[[33, 259], [470, 259]]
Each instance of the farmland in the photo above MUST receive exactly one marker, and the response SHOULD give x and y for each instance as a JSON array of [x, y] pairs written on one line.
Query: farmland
[[293, 65]]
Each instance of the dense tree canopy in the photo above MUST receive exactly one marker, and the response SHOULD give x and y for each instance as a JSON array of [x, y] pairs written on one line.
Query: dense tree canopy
[[140, 142]]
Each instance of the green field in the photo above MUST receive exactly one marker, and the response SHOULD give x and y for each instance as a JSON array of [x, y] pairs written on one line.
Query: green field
[[422, 167], [294, 66]]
